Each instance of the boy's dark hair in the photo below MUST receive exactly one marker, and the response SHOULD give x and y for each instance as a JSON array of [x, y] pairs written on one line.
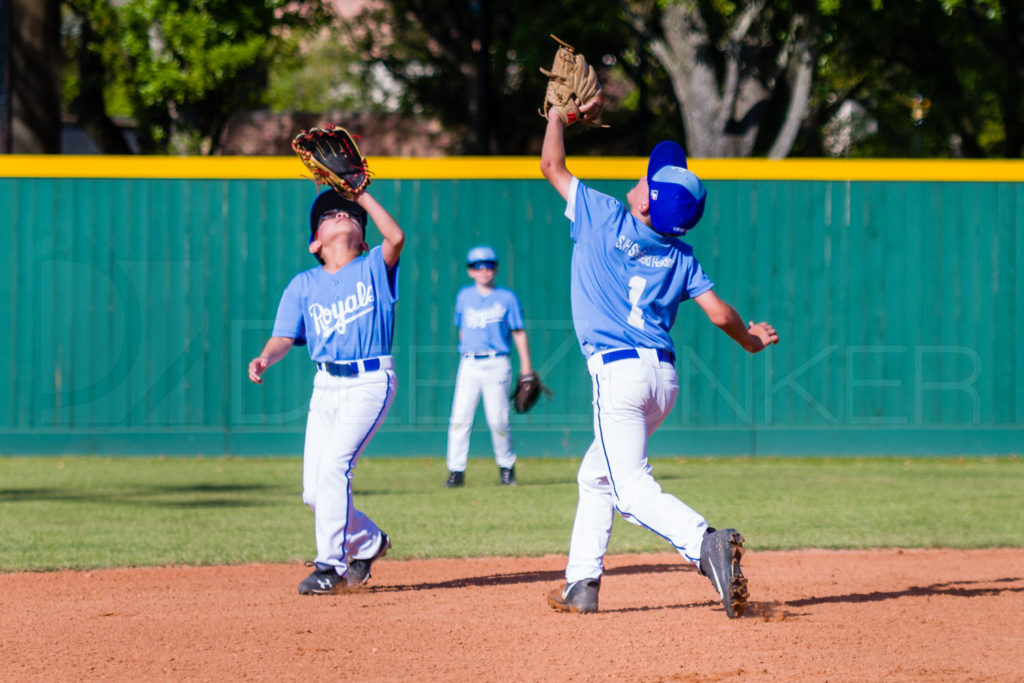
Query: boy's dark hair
[[329, 200]]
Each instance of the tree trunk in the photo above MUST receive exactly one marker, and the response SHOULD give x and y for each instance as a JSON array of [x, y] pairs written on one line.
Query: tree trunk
[[722, 114], [1013, 100], [685, 52], [89, 106], [35, 77], [799, 101], [5, 76]]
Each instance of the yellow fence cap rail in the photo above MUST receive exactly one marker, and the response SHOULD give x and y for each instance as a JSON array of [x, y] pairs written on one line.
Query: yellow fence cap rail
[[527, 168]]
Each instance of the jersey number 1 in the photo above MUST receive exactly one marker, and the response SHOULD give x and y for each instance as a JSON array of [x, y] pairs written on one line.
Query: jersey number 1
[[637, 285]]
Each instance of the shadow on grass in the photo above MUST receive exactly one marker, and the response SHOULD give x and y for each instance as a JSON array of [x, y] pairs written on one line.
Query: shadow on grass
[[156, 495], [473, 484]]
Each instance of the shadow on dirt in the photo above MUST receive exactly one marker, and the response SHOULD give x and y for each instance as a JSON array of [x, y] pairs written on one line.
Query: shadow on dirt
[[960, 589], [765, 611], [525, 577]]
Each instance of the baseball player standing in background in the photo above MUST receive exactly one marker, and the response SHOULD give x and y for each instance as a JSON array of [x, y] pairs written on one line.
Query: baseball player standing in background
[[629, 274], [488, 318], [344, 310]]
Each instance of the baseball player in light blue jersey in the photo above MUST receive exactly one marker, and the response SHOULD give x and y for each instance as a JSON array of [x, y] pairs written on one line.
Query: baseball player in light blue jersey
[[630, 270], [490, 320], [343, 310]]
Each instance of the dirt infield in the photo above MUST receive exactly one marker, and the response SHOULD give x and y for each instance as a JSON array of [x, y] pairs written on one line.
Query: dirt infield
[[913, 615]]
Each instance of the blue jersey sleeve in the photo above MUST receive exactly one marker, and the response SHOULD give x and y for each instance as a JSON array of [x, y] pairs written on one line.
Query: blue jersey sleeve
[[459, 305], [379, 268], [696, 281], [514, 314], [289, 321], [593, 210]]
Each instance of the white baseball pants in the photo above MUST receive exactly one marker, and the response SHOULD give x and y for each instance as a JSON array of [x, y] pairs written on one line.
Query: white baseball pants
[[632, 397], [490, 378], [344, 414]]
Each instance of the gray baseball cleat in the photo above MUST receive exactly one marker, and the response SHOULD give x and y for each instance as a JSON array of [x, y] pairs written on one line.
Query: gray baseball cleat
[[579, 597], [507, 475], [720, 554], [323, 581], [455, 479], [359, 570]]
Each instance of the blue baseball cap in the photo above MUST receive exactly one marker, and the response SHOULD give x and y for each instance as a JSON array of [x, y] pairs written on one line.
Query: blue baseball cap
[[329, 200], [676, 195], [481, 254]]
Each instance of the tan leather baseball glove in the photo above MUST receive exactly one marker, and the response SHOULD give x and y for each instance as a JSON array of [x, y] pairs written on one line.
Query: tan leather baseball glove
[[572, 82]]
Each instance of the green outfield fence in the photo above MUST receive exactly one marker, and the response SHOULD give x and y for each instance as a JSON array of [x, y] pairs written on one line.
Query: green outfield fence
[[134, 291]]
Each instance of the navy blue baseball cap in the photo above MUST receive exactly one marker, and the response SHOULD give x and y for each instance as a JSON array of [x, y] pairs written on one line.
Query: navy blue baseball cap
[[481, 254], [329, 200], [677, 196]]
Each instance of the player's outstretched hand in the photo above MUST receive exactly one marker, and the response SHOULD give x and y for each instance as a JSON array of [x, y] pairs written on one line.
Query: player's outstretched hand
[[763, 331], [257, 366], [589, 110]]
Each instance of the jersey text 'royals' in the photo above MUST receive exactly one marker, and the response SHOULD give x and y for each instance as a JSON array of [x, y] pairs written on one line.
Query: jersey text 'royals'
[[479, 318], [338, 315]]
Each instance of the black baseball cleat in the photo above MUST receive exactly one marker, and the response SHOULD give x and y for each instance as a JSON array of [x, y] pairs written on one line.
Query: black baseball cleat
[[507, 475], [720, 554], [455, 479], [323, 581], [579, 597], [359, 570]]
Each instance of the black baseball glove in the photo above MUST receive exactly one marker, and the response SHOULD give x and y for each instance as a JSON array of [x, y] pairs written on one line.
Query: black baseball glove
[[527, 392], [333, 157]]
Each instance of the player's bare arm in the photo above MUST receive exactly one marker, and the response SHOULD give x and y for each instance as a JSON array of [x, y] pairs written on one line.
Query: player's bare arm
[[552, 156], [753, 337], [394, 238], [274, 351], [523, 349]]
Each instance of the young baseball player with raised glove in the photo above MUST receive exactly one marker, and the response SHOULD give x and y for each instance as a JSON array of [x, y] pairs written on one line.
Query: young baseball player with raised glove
[[630, 271], [343, 311], [490, 321]]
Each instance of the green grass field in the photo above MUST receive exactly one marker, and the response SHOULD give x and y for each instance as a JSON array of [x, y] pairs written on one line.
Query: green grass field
[[88, 512]]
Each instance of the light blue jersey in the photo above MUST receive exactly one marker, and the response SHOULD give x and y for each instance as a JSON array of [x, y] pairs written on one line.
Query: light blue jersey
[[627, 279], [486, 322], [348, 315]]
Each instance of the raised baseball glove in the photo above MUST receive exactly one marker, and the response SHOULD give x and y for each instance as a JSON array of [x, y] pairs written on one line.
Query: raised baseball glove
[[527, 392], [332, 155], [572, 82]]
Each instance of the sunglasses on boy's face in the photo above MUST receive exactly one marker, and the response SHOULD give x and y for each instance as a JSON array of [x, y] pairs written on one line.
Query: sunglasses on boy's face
[[332, 214], [483, 265]]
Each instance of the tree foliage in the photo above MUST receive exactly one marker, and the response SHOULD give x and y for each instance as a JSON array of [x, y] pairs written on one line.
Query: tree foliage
[[941, 77], [179, 68], [720, 71], [741, 71], [730, 77], [744, 77], [474, 63]]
